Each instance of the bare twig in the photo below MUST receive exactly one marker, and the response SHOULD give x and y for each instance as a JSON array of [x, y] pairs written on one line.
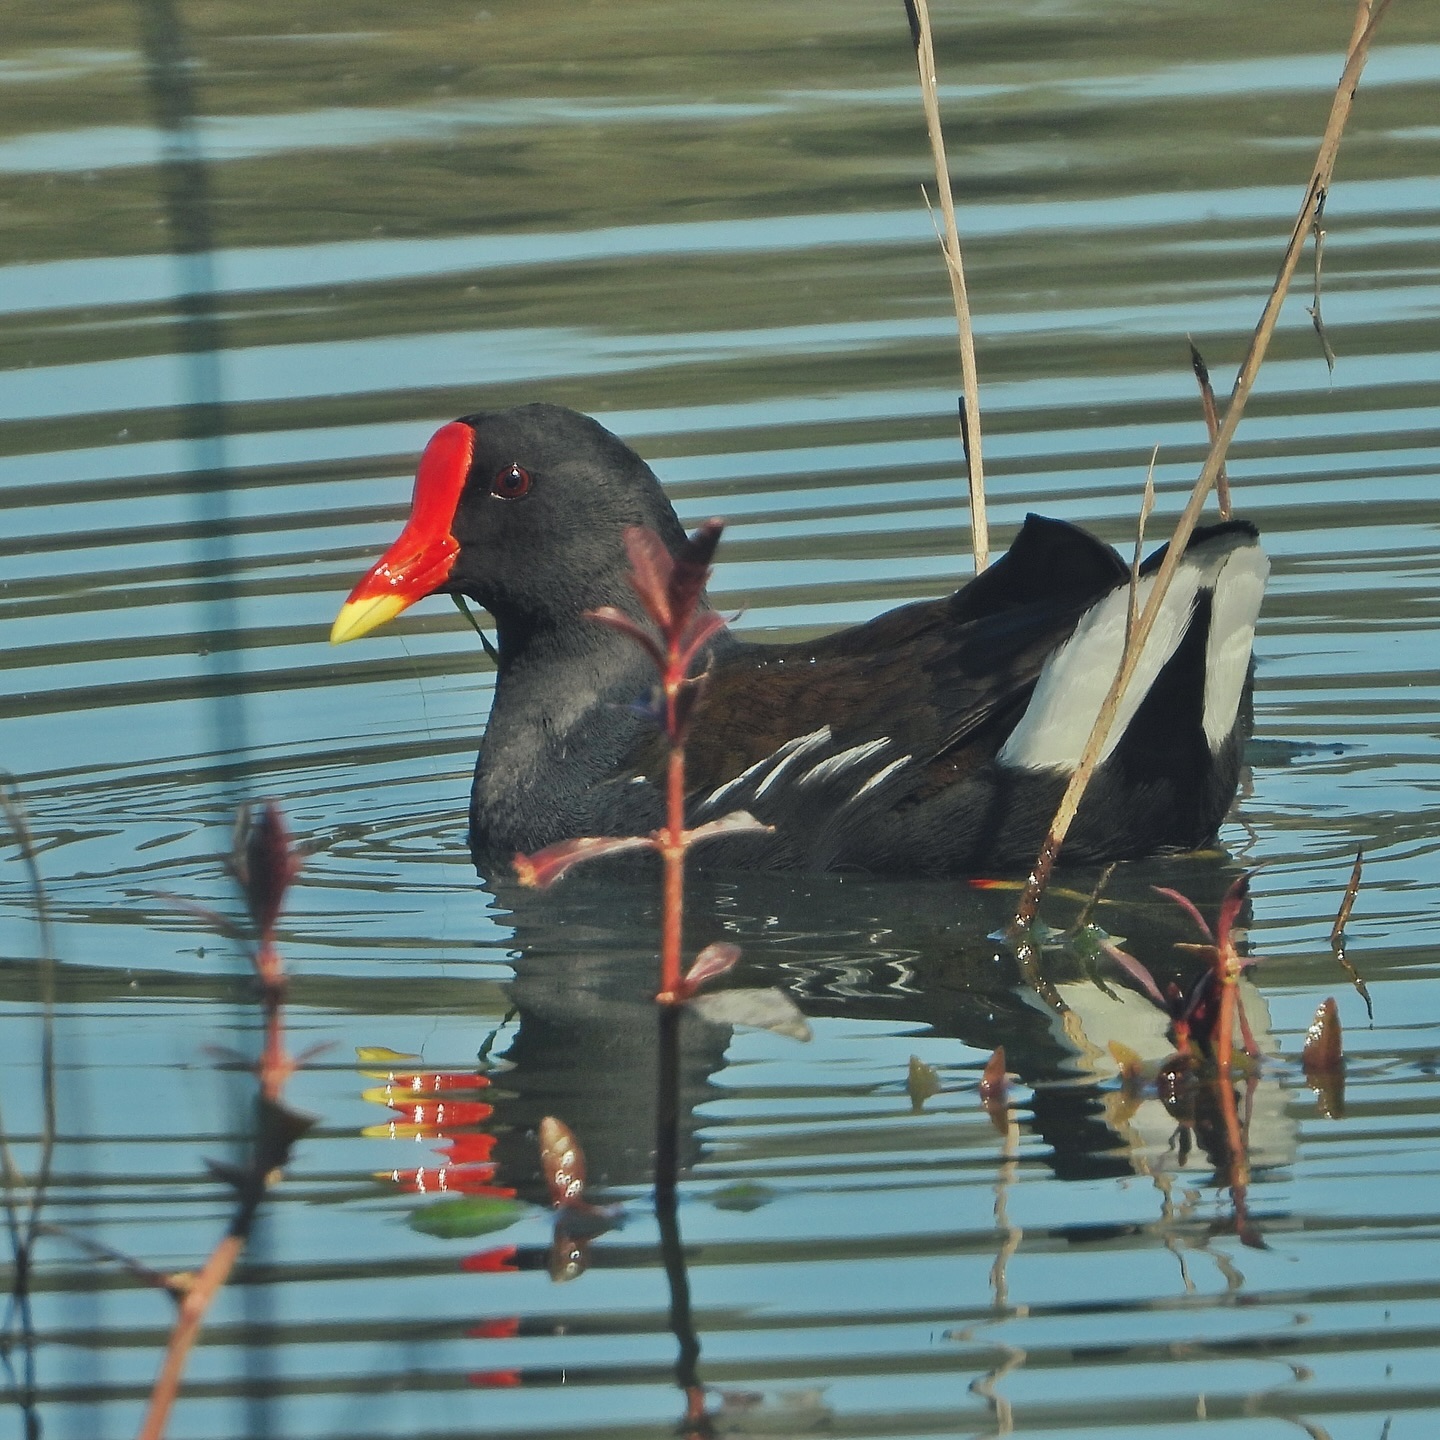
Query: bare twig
[[919, 16], [1315, 192], [1212, 425], [1337, 933], [1313, 308], [1347, 903]]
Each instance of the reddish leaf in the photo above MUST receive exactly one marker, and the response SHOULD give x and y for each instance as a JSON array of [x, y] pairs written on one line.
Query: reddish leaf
[[545, 867], [692, 570], [1324, 1050], [472, 1147], [430, 1178], [618, 620], [1188, 907], [1230, 908], [713, 961], [505, 1329], [1137, 972], [442, 1114], [737, 822], [651, 569], [263, 862], [498, 1259], [697, 634], [993, 1081], [562, 1162], [213, 918], [994, 1090], [1247, 1035]]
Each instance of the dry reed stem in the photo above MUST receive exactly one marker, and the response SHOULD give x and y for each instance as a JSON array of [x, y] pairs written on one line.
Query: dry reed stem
[[1147, 504], [1366, 24], [950, 244]]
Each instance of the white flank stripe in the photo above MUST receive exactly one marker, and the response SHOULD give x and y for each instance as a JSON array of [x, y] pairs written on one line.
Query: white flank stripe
[[796, 750], [720, 792], [878, 776], [853, 756], [1239, 587]]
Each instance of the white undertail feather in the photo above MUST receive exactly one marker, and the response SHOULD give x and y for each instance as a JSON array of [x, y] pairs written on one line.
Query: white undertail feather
[[1072, 686], [1239, 587]]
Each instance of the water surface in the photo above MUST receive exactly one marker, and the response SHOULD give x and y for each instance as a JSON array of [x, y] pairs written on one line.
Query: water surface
[[250, 258]]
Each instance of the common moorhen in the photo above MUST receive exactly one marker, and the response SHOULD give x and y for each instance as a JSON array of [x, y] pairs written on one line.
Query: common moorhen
[[934, 739]]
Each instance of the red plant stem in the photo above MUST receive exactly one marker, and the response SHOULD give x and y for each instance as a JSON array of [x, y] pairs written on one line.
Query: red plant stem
[[1239, 1176], [1225, 1025], [196, 1292], [274, 1067], [198, 1295], [1227, 972], [672, 843], [672, 855]]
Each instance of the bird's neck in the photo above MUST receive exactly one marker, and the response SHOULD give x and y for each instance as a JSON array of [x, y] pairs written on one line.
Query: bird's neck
[[563, 716]]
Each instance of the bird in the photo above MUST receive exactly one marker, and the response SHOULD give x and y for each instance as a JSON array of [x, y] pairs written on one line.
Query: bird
[[932, 740]]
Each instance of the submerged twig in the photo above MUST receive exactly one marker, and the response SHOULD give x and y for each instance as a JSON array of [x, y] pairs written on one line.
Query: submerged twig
[[919, 16], [1318, 186], [667, 1217]]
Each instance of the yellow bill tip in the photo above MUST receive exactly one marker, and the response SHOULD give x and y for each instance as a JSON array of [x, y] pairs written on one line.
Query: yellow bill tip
[[360, 617]]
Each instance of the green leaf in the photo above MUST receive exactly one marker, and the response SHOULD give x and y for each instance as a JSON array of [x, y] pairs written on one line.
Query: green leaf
[[466, 1216], [742, 1195]]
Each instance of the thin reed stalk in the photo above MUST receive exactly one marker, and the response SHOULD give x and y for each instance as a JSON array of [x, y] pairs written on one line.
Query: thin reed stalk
[[26, 1228], [919, 16], [1318, 187], [265, 866]]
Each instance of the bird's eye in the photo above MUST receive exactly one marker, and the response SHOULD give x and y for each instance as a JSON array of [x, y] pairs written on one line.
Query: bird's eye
[[511, 483]]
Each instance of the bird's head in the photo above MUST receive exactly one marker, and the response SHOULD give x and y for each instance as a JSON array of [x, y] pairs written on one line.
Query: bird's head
[[523, 511]]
